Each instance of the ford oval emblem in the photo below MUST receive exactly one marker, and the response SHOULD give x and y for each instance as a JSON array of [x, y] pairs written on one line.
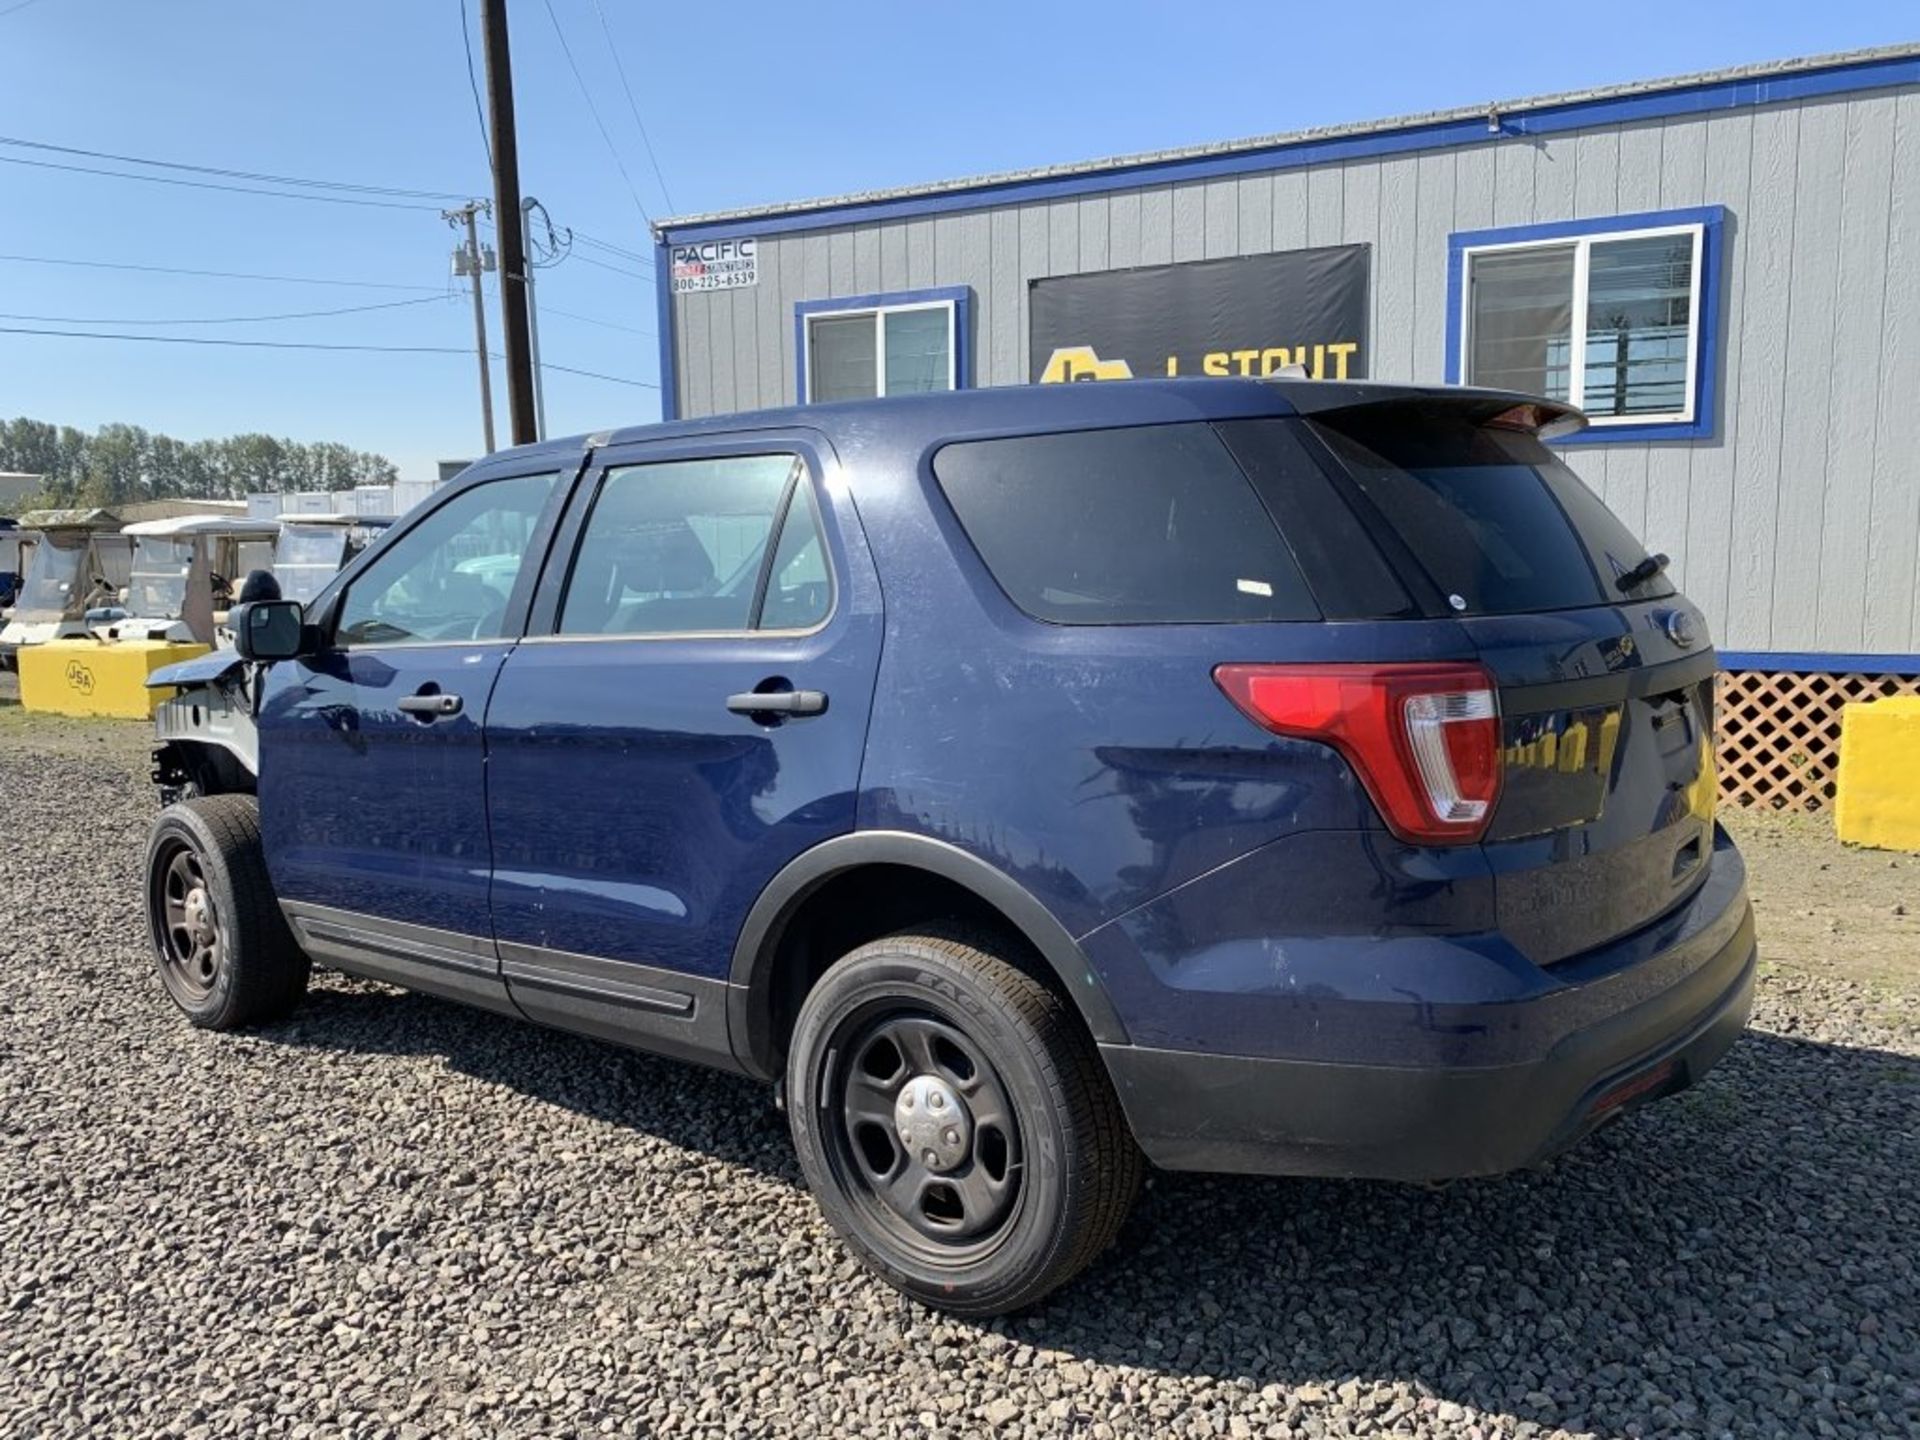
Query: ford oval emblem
[[1681, 629]]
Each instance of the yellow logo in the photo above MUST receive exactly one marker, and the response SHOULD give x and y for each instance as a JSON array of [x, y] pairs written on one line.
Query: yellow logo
[[79, 677], [1079, 362]]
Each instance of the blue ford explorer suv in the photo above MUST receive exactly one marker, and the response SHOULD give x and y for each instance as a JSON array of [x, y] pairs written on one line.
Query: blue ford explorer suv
[[1034, 784]]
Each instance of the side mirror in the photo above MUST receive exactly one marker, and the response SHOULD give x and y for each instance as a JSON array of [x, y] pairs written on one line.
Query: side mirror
[[269, 630]]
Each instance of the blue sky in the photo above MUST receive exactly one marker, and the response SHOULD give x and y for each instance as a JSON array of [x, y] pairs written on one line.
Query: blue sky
[[744, 102]]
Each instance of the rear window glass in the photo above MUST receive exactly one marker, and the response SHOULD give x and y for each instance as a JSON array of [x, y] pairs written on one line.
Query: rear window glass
[[1499, 524], [1154, 525]]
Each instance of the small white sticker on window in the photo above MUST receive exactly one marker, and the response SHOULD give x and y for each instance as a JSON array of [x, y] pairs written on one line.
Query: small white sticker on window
[[1254, 587]]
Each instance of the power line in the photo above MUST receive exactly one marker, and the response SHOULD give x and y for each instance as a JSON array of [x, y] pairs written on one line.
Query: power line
[[546, 309], [228, 319], [616, 269], [612, 249], [15, 9], [596, 375], [594, 110], [240, 344], [218, 274], [302, 345], [638, 123], [210, 185], [479, 111], [264, 177]]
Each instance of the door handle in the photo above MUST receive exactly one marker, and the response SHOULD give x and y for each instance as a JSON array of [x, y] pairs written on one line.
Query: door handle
[[778, 702], [431, 707]]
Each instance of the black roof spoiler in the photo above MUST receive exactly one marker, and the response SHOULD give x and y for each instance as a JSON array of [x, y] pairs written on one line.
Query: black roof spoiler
[[1500, 409]]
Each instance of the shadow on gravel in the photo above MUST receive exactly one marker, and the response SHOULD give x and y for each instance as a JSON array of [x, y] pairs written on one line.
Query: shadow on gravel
[[1741, 1258], [725, 1116]]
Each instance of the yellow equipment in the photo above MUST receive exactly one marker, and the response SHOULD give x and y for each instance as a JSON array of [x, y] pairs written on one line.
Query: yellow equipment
[[85, 677], [1878, 802]]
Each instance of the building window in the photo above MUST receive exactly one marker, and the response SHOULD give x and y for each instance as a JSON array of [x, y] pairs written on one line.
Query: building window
[[905, 344], [1615, 316]]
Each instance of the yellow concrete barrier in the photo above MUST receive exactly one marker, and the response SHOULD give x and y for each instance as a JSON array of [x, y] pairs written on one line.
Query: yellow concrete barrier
[[1878, 797], [85, 677]]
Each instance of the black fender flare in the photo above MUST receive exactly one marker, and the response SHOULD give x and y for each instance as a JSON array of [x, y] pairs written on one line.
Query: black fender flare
[[751, 975]]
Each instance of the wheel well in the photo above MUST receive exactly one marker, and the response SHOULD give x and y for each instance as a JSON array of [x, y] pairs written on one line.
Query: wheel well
[[213, 769], [855, 906]]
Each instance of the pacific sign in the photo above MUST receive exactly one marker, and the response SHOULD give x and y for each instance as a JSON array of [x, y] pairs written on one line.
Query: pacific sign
[[715, 265]]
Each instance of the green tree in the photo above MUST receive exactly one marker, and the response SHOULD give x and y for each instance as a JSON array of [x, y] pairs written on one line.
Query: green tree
[[120, 464]]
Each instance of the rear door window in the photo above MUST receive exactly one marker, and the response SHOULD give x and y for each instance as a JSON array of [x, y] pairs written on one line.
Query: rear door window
[[1153, 525], [1497, 522]]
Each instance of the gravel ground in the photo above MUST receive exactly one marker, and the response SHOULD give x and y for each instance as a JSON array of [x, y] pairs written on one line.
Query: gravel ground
[[393, 1216]]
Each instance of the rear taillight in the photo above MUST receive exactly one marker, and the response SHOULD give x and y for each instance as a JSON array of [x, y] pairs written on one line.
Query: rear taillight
[[1424, 739]]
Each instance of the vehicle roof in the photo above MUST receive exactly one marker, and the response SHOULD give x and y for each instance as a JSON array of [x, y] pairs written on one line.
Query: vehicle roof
[[80, 518], [1014, 408], [245, 526], [338, 518]]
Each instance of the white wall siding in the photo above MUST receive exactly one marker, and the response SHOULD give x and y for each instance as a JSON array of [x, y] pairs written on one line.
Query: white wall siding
[[1796, 526]]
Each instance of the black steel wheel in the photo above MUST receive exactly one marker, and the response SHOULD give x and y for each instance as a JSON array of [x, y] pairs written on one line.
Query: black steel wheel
[[189, 939], [225, 954], [927, 1140], [956, 1123]]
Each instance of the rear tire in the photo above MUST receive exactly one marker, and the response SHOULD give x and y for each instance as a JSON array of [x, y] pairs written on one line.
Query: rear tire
[[225, 953], [956, 1124]]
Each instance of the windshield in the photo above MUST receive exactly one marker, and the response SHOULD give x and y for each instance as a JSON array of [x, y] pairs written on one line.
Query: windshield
[[158, 589], [50, 579], [306, 557]]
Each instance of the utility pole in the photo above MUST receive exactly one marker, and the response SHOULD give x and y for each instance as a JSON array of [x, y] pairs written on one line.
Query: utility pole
[[527, 207], [507, 214], [470, 260]]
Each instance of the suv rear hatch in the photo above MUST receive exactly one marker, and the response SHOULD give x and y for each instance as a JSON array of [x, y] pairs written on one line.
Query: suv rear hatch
[[1603, 674]]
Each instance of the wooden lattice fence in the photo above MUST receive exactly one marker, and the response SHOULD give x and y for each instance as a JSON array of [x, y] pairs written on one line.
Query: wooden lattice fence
[[1779, 733]]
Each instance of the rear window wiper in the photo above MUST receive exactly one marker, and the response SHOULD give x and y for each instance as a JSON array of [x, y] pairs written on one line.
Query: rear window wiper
[[1643, 572]]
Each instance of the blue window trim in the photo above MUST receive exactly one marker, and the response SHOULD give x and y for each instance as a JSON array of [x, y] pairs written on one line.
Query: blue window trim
[[1706, 383], [959, 296], [1803, 662], [667, 330]]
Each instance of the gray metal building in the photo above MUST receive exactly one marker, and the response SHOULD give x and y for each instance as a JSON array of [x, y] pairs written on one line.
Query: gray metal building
[[1723, 269]]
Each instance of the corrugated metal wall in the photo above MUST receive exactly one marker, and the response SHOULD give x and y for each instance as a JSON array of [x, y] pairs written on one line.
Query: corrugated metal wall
[[1797, 527]]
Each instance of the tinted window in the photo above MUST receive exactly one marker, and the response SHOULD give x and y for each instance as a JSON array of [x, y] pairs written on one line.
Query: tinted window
[[449, 578], [1492, 516], [1142, 526], [679, 548]]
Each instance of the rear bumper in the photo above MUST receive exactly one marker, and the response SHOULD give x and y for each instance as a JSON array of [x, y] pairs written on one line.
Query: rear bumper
[[1263, 1115]]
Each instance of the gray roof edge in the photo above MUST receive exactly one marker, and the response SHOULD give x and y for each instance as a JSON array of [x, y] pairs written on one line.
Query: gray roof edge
[[1764, 70]]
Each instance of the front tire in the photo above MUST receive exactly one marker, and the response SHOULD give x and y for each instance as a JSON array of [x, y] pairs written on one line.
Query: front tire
[[956, 1124], [225, 954]]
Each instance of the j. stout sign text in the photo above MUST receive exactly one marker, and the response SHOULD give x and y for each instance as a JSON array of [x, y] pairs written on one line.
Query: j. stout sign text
[[1249, 315]]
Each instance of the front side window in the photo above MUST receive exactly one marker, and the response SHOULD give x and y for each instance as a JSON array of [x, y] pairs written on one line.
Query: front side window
[[1608, 321], [449, 578], [857, 354], [694, 547]]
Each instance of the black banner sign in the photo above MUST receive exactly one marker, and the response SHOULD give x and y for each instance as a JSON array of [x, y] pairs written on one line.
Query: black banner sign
[[1248, 315]]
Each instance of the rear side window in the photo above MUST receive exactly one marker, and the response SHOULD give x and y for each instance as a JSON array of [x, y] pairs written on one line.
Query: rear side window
[[1497, 522], [1155, 525]]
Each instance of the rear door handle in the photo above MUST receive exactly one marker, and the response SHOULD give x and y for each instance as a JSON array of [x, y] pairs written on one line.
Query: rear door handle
[[431, 707], [778, 702]]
